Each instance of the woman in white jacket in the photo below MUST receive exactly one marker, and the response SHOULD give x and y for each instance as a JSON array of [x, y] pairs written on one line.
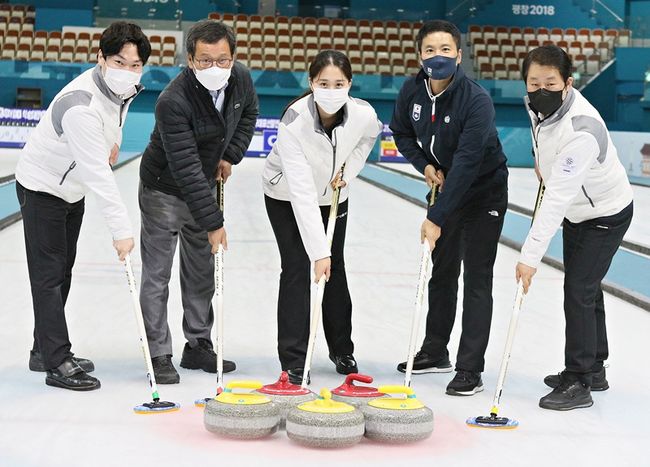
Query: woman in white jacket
[[586, 190], [318, 133]]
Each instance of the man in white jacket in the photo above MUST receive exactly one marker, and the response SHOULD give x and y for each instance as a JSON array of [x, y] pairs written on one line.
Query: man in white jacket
[[69, 154], [586, 190]]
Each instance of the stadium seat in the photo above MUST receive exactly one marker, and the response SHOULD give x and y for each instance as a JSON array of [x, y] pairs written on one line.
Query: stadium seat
[[593, 64], [500, 71], [169, 44], [69, 39], [168, 58], [81, 54], [83, 39], [23, 52], [485, 71], [8, 52], [40, 38], [26, 37], [52, 54], [284, 63], [155, 42]]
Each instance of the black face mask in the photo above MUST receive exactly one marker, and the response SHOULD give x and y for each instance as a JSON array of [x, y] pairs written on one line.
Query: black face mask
[[544, 101]]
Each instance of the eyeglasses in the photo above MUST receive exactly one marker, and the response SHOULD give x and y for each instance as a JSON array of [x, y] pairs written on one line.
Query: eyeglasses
[[220, 62]]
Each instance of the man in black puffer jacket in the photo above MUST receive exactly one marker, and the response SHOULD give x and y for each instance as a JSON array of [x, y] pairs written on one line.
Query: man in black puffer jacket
[[205, 120]]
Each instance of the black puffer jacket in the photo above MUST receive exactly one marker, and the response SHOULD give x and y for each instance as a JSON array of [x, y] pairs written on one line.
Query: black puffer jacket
[[190, 138]]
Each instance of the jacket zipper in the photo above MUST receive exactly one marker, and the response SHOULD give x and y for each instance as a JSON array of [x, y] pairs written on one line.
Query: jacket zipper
[[536, 137], [587, 196], [72, 166], [433, 119], [333, 143]]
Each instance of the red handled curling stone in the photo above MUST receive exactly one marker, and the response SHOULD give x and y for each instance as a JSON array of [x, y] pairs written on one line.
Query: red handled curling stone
[[286, 395], [356, 395]]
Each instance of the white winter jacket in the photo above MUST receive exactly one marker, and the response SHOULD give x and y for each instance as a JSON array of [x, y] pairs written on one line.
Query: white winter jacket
[[583, 176], [304, 161], [67, 153]]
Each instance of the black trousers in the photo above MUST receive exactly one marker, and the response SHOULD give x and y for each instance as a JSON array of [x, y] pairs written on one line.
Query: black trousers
[[471, 235], [295, 281], [588, 249], [51, 227]]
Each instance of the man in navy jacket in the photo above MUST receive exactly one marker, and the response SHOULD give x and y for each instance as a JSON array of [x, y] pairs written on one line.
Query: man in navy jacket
[[444, 124]]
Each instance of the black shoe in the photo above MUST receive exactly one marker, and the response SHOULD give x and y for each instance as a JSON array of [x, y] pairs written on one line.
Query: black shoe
[[295, 376], [164, 371], [69, 375], [570, 394], [345, 364], [598, 382], [36, 362], [465, 383], [202, 357], [425, 363]]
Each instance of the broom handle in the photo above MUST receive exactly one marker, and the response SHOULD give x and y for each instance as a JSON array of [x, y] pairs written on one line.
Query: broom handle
[[419, 298], [516, 308], [218, 298], [143, 333], [320, 291]]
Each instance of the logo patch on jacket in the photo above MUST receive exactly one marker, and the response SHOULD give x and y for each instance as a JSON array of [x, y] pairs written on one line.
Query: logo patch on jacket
[[568, 165], [447, 118], [417, 108]]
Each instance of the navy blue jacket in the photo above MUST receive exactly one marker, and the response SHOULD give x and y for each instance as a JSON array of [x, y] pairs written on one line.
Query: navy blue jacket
[[461, 128]]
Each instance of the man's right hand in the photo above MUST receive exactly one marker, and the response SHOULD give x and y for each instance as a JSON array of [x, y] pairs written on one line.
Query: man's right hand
[[216, 238], [431, 175], [123, 247]]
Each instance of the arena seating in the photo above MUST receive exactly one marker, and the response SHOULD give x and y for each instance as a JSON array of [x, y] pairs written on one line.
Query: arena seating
[[290, 43], [497, 52], [19, 41]]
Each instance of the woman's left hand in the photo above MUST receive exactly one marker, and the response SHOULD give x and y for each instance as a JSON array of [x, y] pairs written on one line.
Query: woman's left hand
[[525, 274]]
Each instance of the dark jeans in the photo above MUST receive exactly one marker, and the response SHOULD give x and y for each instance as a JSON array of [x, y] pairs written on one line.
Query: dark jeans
[[589, 247], [471, 235], [295, 281], [51, 227]]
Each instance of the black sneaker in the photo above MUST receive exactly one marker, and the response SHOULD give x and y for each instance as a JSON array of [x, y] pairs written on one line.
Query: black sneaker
[[345, 364], [164, 371], [465, 383], [36, 363], [425, 363], [69, 375], [202, 357], [570, 394], [598, 382], [296, 374]]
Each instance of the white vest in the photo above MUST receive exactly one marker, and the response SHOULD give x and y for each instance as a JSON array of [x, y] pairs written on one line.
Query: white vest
[[67, 153], [582, 173]]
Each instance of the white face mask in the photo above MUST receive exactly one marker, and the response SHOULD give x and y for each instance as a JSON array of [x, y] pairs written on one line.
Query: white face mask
[[331, 100], [213, 78], [121, 82]]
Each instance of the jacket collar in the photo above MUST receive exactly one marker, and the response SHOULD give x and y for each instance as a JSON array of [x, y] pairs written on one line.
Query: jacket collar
[[99, 81], [311, 105], [555, 116]]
